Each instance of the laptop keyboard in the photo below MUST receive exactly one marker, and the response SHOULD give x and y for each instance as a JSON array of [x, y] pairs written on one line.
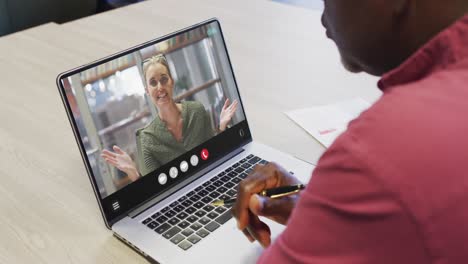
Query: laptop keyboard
[[191, 218]]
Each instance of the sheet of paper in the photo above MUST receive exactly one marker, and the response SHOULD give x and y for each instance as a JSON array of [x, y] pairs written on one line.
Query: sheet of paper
[[325, 123]]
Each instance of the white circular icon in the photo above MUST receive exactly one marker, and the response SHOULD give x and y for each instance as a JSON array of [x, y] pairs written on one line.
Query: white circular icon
[[194, 160], [241, 132], [184, 166], [162, 178], [173, 172]]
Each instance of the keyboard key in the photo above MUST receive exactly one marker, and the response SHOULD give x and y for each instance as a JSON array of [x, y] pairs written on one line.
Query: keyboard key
[[235, 165], [231, 193], [170, 214], [212, 226], [174, 204], [221, 174], [250, 156], [147, 220], [242, 175], [165, 209], [229, 184], [224, 197], [210, 188], [182, 215], [232, 174], [249, 170], [222, 189], [208, 207], [207, 200], [225, 179], [254, 160], [220, 210], [156, 215], [171, 232], [162, 228], [224, 217], [243, 160], [214, 194], [206, 183], [190, 210], [152, 225], [200, 213], [217, 183], [190, 194], [177, 239], [194, 239], [181, 199], [198, 205], [185, 245], [204, 221], [179, 208], [161, 219], [263, 162], [187, 232], [173, 221], [196, 226], [236, 180], [195, 198], [202, 193], [183, 224], [199, 188], [212, 215], [202, 232], [246, 165], [192, 219], [239, 170], [186, 203], [228, 170]]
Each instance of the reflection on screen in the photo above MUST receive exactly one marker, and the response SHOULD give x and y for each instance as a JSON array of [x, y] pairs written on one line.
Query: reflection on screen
[[144, 109]]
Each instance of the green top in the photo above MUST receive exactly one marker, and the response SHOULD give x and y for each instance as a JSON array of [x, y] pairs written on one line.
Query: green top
[[156, 146]]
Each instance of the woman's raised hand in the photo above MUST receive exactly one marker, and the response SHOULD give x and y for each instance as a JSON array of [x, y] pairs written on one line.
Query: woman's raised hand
[[122, 161], [226, 114]]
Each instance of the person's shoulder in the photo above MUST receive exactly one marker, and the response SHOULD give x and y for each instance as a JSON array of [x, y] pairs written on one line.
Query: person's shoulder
[[194, 106], [194, 110], [148, 129]]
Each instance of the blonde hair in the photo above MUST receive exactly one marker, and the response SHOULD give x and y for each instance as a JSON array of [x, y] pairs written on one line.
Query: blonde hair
[[161, 59]]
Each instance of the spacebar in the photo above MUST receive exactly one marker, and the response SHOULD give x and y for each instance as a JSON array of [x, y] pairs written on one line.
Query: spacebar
[[224, 217]]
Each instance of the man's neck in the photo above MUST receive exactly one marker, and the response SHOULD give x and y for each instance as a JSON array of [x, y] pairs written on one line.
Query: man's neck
[[431, 18]]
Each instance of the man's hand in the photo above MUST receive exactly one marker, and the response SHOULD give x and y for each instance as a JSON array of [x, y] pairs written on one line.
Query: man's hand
[[249, 205]]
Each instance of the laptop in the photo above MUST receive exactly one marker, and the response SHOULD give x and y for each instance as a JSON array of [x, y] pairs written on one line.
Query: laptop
[[155, 179]]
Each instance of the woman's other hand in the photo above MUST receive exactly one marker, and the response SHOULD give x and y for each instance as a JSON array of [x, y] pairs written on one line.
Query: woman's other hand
[[122, 161], [227, 113]]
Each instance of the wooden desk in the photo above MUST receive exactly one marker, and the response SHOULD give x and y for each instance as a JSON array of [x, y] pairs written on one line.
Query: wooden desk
[[48, 211]]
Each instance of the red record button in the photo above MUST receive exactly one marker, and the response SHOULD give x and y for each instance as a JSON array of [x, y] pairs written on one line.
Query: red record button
[[204, 154]]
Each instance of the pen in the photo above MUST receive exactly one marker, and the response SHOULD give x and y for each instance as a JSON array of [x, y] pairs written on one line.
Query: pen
[[272, 193]]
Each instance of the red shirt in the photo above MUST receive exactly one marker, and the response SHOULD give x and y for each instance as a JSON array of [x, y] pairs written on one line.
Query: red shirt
[[394, 187]]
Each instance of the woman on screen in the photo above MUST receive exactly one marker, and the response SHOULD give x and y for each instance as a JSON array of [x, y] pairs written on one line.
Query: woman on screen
[[177, 128]]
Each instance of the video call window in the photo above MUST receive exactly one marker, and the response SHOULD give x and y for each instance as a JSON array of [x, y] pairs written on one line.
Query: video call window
[[144, 109]]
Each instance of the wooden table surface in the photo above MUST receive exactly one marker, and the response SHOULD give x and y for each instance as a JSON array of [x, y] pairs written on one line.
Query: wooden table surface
[[48, 212]]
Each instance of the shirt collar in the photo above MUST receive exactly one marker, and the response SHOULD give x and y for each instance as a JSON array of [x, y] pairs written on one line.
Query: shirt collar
[[447, 48]]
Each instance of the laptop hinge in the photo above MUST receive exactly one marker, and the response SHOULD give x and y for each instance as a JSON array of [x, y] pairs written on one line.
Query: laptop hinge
[[143, 207]]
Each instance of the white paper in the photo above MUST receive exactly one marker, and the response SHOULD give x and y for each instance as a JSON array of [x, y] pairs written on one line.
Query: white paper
[[325, 123]]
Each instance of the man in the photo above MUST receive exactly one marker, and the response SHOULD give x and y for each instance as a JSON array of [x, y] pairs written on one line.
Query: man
[[394, 187]]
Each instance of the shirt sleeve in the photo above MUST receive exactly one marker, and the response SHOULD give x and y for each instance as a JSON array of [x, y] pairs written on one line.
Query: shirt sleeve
[[146, 159], [347, 216]]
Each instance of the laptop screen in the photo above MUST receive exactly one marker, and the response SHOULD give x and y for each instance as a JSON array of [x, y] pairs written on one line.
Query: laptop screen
[[152, 116]]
